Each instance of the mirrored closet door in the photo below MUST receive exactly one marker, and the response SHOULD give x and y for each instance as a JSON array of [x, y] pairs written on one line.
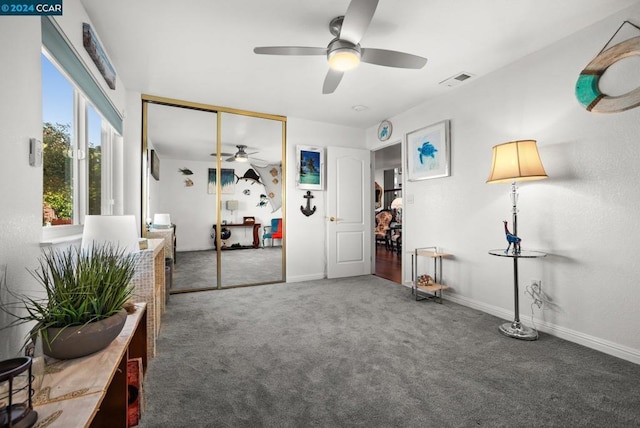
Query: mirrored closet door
[[213, 187]]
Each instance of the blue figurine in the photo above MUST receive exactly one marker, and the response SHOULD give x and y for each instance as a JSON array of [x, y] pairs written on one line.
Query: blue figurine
[[511, 239]]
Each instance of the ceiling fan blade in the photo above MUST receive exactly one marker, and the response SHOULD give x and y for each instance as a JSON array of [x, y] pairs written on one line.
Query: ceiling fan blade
[[289, 50], [357, 19], [231, 159], [332, 81], [391, 58]]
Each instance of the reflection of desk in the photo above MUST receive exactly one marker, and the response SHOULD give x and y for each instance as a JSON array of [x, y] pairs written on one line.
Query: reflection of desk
[[516, 329], [256, 233]]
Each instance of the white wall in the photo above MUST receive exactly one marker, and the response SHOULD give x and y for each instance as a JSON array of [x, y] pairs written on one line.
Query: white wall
[[133, 155], [306, 236], [582, 216], [21, 195], [193, 209]]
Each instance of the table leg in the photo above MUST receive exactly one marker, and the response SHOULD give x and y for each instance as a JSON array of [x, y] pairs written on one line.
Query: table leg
[[515, 329]]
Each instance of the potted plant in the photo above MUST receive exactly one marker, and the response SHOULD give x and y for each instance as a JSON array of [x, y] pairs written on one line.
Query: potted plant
[[86, 291]]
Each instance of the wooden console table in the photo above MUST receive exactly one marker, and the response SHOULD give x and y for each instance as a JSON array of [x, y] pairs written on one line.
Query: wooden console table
[[256, 234], [92, 391]]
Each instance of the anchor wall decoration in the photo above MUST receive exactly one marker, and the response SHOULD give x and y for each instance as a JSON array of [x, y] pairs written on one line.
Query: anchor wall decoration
[[308, 210]]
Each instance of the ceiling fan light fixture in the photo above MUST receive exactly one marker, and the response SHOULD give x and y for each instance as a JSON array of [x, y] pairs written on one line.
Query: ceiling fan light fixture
[[342, 55], [241, 157], [344, 59]]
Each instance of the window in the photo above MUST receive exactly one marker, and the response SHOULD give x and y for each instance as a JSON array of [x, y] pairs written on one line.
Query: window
[[58, 145], [77, 143]]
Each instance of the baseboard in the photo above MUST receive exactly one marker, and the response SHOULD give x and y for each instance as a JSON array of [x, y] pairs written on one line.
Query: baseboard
[[610, 348], [301, 278]]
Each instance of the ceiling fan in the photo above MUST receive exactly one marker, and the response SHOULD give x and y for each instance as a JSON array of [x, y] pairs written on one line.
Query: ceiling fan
[[240, 156], [344, 51]]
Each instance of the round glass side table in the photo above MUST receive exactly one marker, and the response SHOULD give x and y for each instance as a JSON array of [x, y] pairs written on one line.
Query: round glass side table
[[515, 329]]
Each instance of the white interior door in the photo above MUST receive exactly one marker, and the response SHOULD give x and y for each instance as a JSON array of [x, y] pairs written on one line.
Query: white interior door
[[348, 212]]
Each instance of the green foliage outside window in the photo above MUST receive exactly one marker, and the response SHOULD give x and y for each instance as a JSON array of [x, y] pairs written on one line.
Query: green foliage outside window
[[57, 191], [57, 172]]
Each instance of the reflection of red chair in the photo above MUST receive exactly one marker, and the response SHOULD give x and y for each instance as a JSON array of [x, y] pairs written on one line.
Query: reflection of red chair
[[274, 231]]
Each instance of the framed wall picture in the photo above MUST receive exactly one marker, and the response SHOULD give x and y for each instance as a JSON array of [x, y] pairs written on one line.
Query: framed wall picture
[[310, 168], [428, 152], [155, 165], [227, 181]]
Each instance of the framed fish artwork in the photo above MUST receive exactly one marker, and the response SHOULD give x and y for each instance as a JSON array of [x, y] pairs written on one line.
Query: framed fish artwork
[[310, 168], [428, 152]]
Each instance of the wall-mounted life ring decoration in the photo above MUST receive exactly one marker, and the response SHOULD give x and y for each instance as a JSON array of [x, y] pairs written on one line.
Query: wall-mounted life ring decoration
[[587, 90]]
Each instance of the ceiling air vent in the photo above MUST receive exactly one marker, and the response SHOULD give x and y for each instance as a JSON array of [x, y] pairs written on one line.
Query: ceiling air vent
[[457, 79]]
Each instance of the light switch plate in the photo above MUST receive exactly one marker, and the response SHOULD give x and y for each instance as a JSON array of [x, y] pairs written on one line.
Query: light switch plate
[[35, 152]]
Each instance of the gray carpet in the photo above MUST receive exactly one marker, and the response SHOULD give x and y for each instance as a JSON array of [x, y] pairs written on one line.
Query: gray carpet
[[361, 352], [197, 269]]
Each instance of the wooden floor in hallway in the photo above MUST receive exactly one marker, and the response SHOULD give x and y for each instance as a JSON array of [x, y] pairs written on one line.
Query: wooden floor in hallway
[[388, 264]]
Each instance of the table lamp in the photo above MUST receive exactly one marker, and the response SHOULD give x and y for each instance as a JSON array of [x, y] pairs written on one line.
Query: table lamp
[[117, 229], [396, 205], [232, 206], [161, 220], [516, 161]]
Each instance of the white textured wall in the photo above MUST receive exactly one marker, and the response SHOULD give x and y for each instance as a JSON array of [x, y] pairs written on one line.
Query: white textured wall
[[21, 184], [132, 149], [583, 215]]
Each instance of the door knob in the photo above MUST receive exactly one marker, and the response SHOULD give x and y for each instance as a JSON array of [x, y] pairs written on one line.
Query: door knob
[[332, 218]]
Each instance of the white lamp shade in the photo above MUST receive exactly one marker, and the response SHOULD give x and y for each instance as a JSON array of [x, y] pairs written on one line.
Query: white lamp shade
[[232, 205], [162, 220], [119, 230], [516, 161], [396, 204]]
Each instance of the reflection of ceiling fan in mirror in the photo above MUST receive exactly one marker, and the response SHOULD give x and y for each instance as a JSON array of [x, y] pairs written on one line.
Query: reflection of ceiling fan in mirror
[[241, 156], [344, 51]]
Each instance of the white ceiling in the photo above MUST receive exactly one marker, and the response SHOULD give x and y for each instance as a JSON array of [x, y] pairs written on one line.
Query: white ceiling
[[187, 134], [202, 50]]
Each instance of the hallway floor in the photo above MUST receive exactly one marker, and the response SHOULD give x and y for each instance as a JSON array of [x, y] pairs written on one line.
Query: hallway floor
[[388, 264]]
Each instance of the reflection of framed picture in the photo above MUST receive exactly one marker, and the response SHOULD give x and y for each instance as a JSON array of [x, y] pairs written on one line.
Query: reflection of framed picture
[[227, 181], [310, 164], [155, 165], [428, 152]]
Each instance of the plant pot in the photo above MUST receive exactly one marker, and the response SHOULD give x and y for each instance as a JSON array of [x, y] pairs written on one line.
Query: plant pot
[[80, 340], [59, 221]]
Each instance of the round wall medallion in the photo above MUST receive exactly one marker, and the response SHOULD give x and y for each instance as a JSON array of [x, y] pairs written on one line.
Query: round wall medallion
[[587, 90], [384, 130]]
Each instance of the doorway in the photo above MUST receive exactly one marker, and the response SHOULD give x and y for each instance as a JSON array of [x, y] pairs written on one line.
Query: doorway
[[388, 212]]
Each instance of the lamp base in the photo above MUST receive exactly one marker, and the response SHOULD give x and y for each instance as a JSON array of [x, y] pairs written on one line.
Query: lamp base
[[518, 331]]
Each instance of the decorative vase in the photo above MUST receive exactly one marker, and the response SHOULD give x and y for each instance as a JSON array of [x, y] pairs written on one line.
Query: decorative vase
[[80, 340]]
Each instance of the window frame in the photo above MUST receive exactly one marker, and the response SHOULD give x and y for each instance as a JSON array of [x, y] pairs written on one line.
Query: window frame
[[80, 162]]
